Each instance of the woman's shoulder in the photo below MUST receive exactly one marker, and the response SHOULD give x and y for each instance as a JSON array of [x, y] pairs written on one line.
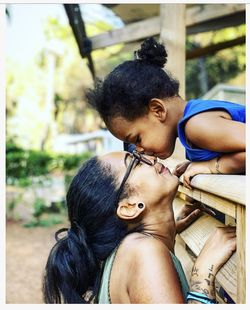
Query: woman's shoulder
[[147, 257], [144, 246]]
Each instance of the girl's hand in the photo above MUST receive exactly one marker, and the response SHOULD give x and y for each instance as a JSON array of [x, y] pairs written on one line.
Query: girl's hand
[[203, 167], [181, 168], [217, 249]]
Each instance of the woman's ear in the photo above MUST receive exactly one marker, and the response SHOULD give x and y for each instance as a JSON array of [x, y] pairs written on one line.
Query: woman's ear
[[158, 108], [130, 211]]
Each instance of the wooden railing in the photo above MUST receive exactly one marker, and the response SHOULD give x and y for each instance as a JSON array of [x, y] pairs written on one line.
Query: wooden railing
[[224, 194]]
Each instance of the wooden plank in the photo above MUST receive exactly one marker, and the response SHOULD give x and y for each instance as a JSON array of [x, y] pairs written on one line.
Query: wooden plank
[[152, 26], [233, 187], [223, 205], [172, 21], [202, 13], [196, 13], [214, 48], [232, 20], [230, 220], [129, 33], [130, 13], [241, 254], [195, 237]]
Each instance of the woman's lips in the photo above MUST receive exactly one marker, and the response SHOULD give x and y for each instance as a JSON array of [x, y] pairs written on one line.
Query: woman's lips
[[163, 169]]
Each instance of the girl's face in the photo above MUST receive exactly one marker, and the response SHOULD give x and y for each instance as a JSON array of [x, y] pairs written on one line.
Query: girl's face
[[154, 184], [148, 133]]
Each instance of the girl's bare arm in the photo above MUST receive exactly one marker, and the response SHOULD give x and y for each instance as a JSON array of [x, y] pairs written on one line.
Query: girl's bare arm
[[213, 131]]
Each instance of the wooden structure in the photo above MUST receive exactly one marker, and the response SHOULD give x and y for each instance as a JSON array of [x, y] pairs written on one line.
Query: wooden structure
[[226, 194], [228, 199]]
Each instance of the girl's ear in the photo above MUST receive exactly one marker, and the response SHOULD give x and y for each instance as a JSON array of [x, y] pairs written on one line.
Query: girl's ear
[[158, 108], [130, 211]]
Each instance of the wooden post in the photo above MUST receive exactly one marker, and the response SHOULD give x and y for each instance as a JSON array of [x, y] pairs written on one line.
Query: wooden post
[[173, 36], [240, 253]]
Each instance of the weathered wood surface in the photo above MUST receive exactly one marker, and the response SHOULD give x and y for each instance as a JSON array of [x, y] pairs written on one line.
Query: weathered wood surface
[[194, 16], [241, 253], [172, 21], [229, 187], [195, 237]]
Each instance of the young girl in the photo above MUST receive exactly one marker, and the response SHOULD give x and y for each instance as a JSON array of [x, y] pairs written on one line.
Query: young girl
[[140, 104], [120, 244]]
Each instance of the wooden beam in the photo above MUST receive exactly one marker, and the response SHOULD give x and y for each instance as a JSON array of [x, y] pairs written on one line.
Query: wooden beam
[[130, 33], [208, 189], [172, 23], [232, 20], [195, 18], [234, 186], [211, 49], [207, 17], [195, 237], [222, 205], [241, 253]]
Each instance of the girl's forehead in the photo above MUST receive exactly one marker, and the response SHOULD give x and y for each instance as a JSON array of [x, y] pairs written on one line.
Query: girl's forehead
[[120, 126], [123, 129]]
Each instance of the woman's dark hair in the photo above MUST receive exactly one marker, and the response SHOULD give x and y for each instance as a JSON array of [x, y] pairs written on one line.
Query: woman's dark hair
[[73, 268], [128, 89]]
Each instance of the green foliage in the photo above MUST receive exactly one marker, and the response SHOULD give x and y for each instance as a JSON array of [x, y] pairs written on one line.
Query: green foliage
[[218, 68], [70, 162], [46, 216], [22, 165], [39, 208], [50, 221], [67, 180], [12, 204]]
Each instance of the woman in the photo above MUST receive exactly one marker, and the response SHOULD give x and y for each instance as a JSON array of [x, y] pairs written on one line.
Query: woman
[[120, 244], [140, 104]]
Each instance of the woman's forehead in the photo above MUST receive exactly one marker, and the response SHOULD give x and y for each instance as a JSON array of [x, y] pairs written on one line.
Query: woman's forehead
[[116, 158]]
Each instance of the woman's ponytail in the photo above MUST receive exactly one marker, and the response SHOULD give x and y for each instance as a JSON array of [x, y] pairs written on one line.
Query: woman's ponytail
[[73, 269], [70, 269]]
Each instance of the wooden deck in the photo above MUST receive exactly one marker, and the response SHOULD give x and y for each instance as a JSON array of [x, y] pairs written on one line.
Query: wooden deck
[[226, 194]]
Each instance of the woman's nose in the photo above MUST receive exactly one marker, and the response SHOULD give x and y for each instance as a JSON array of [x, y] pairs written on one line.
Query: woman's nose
[[139, 149]]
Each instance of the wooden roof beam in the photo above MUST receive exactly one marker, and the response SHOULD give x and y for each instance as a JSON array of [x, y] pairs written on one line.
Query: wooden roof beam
[[210, 17], [211, 49]]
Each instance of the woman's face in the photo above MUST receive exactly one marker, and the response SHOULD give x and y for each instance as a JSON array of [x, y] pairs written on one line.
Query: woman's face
[[147, 133], [152, 183]]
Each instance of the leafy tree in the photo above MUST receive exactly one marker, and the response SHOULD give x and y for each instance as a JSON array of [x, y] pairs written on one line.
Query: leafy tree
[[218, 68], [29, 118]]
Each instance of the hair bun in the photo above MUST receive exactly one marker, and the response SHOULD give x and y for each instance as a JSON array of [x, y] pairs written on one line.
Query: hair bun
[[152, 53]]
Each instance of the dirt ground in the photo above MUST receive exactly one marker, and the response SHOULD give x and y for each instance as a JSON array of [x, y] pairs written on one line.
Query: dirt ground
[[27, 250]]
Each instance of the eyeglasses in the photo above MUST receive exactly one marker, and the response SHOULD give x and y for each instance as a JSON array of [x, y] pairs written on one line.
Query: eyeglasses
[[137, 158]]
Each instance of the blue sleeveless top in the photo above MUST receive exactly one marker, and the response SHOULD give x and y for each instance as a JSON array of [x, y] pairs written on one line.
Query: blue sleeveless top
[[193, 107]]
